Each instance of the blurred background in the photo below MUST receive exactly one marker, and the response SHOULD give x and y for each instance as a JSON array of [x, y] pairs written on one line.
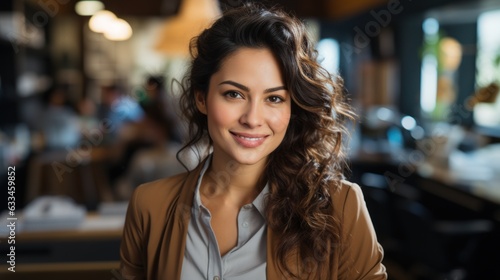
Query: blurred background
[[88, 111]]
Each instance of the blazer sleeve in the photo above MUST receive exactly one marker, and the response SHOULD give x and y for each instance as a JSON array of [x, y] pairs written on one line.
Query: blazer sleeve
[[361, 255], [132, 260]]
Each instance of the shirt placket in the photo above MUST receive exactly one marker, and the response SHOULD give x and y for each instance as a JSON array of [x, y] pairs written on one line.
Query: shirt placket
[[214, 259], [244, 226]]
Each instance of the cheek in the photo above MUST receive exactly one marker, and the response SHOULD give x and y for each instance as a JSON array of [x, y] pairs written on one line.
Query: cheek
[[279, 120], [220, 116]]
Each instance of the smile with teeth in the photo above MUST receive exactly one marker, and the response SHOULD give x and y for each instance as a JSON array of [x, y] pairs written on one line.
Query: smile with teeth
[[248, 140]]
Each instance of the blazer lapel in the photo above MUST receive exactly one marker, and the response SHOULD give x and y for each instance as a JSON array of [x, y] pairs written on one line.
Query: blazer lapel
[[177, 224]]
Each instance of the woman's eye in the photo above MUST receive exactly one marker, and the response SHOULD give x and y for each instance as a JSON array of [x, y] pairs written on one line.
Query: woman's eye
[[275, 99], [232, 94]]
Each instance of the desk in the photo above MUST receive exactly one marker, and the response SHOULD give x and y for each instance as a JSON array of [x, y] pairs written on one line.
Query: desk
[[484, 188], [467, 189], [477, 194], [90, 251]]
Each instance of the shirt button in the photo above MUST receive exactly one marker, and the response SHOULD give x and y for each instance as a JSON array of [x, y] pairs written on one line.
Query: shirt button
[[245, 224], [247, 206], [216, 278]]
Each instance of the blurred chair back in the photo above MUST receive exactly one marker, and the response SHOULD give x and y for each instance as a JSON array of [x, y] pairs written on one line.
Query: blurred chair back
[[85, 182]]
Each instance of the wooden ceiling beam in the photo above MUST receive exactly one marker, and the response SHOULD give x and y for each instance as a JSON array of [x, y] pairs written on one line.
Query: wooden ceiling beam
[[341, 9]]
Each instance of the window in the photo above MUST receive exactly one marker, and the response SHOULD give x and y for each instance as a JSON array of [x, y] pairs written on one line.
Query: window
[[486, 101], [328, 50]]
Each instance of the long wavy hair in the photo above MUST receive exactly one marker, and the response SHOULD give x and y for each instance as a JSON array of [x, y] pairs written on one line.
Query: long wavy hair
[[304, 171]]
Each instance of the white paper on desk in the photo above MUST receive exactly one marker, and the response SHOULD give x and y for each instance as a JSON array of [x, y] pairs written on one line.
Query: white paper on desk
[[480, 165], [52, 213], [469, 167], [112, 208]]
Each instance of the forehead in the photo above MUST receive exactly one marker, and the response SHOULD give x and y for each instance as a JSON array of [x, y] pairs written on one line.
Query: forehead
[[251, 64]]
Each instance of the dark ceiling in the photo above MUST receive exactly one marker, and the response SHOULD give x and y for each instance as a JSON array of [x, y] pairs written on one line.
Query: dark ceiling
[[130, 7], [170, 7], [301, 8], [326, 9]]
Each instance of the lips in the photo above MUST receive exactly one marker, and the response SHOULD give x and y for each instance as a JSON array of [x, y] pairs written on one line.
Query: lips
[[249, 140]]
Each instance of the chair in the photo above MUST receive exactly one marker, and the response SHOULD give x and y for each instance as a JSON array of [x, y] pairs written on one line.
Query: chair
[[435, 249], [51, 174]]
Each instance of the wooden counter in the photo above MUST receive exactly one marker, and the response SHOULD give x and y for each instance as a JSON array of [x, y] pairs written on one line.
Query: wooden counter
[[90, 251]]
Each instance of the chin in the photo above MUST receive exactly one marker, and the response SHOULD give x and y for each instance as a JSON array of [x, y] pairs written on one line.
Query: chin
[[250, 158]]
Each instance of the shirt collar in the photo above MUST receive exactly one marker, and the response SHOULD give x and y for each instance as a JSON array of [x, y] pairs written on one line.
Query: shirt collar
[[197, 199], [258, 202]]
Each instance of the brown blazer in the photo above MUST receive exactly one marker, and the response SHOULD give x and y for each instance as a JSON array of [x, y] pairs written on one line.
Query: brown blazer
[[156, 225]]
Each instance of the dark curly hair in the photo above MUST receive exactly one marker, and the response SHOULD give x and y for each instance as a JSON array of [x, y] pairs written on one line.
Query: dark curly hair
[[305, 169]]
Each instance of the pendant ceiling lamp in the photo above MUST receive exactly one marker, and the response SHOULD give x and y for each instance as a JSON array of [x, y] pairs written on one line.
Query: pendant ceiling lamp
[[193, 17], [113, 28], [88, 7]]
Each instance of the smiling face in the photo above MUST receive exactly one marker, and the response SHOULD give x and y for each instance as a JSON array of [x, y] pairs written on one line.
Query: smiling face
[[247, 107]]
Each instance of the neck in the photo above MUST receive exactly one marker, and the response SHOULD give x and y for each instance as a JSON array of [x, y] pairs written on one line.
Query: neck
[[228, 179]]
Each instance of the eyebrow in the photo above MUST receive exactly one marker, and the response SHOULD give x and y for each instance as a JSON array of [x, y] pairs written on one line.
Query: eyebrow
[[242, 87]]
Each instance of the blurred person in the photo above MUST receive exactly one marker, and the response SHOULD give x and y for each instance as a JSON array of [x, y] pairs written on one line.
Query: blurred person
[[269, 200], [157, 122], [117, 109], [87, 110], [158, 104], [152, 143], [58, 122], [115, 112]]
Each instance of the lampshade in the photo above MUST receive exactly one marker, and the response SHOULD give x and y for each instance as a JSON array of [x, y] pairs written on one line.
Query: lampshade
[[101, 20], [193, 17], [118, 30], [113, 28], [88, 7]]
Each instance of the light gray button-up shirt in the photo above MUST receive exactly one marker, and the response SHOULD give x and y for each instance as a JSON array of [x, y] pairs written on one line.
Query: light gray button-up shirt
[[246, 261]]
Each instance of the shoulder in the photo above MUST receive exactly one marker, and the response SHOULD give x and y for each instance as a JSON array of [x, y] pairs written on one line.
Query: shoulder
[[360, 255], [344, 191], [159, 192], [168, 184], [347, 197]]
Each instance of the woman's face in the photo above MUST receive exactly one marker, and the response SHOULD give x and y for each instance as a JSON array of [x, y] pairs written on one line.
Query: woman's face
[[247, 106]]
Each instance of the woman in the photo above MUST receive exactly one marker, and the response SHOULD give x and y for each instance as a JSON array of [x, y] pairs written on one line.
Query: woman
[[269, 201]]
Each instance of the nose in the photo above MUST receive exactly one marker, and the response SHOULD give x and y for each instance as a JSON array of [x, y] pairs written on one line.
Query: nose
[[253, 115]]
